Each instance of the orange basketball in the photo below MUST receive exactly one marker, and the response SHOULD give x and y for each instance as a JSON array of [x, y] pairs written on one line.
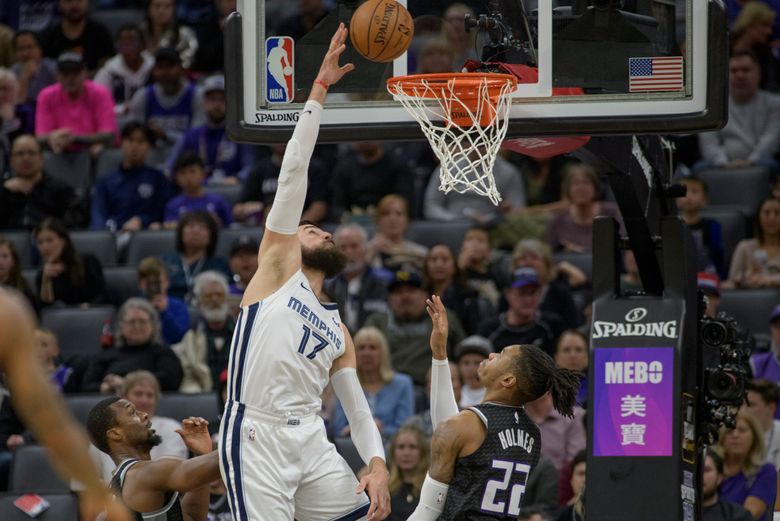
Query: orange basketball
[[381, 30]]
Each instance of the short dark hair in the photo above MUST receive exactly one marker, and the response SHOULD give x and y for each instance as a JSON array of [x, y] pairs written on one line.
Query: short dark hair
[[136, 126], [205, 219], [99, 420], [130, 28], [716, 459], [26, 32], [767, 389], [187, 158], [746, 53], [698, 180], [580, 457], [539, 374]]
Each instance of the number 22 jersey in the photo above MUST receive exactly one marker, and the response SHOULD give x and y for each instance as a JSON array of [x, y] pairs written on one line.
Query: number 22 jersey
[[490, 483]]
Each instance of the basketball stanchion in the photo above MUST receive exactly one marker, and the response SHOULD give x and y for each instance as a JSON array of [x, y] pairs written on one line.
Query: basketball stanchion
[[464, 116]]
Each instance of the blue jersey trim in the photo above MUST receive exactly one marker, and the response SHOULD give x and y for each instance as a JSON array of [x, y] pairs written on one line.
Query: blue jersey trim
[[247, 332]]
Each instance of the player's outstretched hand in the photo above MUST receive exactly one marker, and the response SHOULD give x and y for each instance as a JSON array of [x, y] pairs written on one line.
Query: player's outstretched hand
[[330, 70], [195, 433], [102, 506], [438, 314], [375, 485]]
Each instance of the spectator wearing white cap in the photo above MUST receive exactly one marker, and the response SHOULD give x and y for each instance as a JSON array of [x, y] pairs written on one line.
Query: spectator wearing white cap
[[469, 353], [225, 161]]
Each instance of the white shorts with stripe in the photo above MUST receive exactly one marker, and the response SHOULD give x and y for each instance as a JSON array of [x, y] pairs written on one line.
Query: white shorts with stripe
[[278, 469]]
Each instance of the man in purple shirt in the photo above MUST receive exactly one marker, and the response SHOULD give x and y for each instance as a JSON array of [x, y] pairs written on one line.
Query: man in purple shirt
[[767, 365], [190, 174]]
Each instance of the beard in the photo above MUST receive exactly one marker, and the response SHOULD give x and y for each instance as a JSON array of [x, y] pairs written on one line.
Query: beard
[[327, 259], [152, 440], [215, 315]]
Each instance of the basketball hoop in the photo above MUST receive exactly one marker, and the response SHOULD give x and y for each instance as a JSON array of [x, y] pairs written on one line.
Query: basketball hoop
[[465, 126]]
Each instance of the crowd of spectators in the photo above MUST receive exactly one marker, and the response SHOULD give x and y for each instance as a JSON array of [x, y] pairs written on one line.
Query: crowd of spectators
[[144, 109]]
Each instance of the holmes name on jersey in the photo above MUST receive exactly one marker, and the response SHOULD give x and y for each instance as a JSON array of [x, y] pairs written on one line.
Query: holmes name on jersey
[[516, 438]]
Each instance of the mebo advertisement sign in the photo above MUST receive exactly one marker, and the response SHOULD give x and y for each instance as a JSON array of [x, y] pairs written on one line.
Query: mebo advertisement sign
[[632, 401]]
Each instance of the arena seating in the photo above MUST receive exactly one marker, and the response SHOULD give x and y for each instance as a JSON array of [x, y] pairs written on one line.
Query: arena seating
[[74, 168], [753, 183], [180, 406], [22, 242], [150, 243], [751, 308], [78, 329], [121, 284], [228, 236], [81, 404], [100, 243], [734, 227], [31, 471]]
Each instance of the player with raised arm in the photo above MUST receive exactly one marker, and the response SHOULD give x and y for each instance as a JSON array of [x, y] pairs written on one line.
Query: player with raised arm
[[481, 457], [274, 454], [165, 489], [43, 412]]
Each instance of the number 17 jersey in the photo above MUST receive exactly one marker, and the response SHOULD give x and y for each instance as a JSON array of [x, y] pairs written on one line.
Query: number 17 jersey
[[490, 483], [283, 349]]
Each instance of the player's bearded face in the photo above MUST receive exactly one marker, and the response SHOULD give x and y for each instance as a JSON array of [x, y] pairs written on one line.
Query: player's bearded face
[[153, 439], [325, 258]]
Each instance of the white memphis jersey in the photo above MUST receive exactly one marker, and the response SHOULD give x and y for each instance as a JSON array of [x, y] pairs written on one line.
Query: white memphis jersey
[[282, 351]]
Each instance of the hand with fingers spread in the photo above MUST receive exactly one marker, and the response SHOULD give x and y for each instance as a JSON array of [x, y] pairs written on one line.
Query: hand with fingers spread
[[330, 70], [438, 314], [195, 433], [375, 484]]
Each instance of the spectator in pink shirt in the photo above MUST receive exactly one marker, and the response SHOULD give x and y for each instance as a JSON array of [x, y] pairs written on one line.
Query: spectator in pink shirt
[[75, 113]]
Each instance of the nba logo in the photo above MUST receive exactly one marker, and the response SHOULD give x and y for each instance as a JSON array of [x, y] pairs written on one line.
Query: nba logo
[[279, 69]]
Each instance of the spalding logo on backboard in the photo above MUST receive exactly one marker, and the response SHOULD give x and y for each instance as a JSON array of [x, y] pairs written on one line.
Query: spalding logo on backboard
[[279, 69]]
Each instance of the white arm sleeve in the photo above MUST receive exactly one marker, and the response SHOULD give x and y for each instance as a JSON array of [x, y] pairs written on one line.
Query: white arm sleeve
[[363, 430], [443, 404], [432, 498], [293, 177]]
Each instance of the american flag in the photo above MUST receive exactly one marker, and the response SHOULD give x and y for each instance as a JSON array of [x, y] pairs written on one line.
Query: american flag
[[659, 73]]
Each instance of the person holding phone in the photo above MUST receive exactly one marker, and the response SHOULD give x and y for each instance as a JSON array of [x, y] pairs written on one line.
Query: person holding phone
[[173, 312]]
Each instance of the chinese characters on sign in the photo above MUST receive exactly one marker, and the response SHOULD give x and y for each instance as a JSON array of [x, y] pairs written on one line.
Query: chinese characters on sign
[[632, 397], [633, 432]]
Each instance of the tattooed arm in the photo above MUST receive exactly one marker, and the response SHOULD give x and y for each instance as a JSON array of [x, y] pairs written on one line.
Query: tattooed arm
[[454, 438]]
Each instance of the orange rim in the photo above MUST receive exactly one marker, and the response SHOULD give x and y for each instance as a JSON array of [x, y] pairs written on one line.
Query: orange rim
[[464, 85]]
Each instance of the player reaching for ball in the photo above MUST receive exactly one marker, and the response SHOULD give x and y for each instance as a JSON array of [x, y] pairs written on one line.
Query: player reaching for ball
[[274, 455], [481, 457]]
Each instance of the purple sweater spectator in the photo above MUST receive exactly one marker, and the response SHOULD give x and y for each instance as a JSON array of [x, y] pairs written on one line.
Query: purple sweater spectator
[[221, 156], [762, 484], [212, 203]]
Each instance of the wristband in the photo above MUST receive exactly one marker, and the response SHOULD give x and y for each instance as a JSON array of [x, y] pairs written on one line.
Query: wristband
[[321, 84]]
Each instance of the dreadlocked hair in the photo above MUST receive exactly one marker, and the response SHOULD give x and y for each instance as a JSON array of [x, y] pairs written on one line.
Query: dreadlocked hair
[[537, 373]]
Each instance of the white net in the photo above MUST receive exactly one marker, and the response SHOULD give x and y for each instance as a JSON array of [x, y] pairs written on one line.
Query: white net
[[464, 125]]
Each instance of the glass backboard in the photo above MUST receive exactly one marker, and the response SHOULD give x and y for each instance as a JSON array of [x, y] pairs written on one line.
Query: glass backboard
[[587, 66]]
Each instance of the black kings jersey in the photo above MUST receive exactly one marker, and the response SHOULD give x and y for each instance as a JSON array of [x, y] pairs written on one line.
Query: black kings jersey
[[490, 483], [171, 511]]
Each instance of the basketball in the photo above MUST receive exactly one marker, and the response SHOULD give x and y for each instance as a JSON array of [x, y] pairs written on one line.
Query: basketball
[[381, 30]]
